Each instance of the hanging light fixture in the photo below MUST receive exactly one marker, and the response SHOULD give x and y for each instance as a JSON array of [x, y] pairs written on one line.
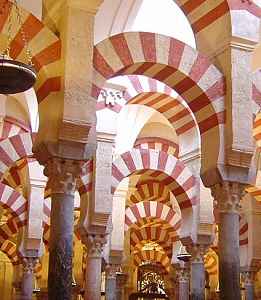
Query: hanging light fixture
[[15, 76], [183, 255]]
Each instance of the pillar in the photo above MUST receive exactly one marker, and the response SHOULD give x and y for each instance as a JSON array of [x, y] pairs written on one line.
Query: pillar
[[197, 271], [227, 195], [95, 244], [121, 280], [62, 176], [111, 282], [183, 283], [27, 281], [249, 283]]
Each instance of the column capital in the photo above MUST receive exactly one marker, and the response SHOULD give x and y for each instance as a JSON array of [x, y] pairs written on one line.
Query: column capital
[[249, 276], [122, 279], [95, 244], [62, 174], [227, 195], [111, 271], [197, 252], [29, 263], [183, 274]]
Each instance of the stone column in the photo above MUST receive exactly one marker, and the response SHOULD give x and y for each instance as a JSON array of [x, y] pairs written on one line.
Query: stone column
[[121, 280], [183, 283], [249, 283], [111, 282], [62, 181], [197, 271], [27, 281], [227, 196], [95, 244]]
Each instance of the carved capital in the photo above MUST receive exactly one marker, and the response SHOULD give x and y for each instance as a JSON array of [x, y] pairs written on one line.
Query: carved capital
[[29, 264], [111, 271], [249, 277], [62, 175], [227, 196], [183, 274], [197, 252], [95, 244], [122, 279]]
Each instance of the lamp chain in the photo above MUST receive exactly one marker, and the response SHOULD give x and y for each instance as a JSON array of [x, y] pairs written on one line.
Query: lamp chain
[[19, 19], [6, 52]]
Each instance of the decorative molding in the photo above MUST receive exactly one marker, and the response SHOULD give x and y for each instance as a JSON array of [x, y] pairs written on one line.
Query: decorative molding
[[29, 264], [227, 196], [62, 175], [94, 243], [73, 131]]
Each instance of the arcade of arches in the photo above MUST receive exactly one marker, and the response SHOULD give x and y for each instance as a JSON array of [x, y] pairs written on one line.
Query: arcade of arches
[[131, 169]]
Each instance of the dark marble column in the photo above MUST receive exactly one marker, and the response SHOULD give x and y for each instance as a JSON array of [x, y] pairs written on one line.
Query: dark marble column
[[183, 283], [121, 280], [61, 181], [111, 283], [197, 271], [27, 281], [227, 195], [249, 283], [95, 244]]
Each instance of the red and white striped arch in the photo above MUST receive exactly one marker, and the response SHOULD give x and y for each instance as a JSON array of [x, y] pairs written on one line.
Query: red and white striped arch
[[206, 15], [12, 126], [10, 249], [159, 144], [150, 191], [256, 95], [257, 130], [152, 256], [138, 238], [44, 45], [179, 66], [16, 175], [14, 202], [13, 149], [179, 116], [137, 84], [243, 230], [151, 209], [7, 230], [179, 179], [150, 92], [84, 184]]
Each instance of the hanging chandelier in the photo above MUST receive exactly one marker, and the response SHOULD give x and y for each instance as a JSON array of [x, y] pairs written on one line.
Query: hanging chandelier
[[15, 76], [183, 255]]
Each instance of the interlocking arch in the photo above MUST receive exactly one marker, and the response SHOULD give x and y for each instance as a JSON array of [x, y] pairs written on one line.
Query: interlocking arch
[[179, 179], [179, 66], [154, 209]]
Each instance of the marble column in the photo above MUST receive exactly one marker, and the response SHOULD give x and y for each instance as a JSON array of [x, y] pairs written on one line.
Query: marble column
[[121, 280], [249, 284], [62, 176], [227, 196], [111, 282], [197, 271], [95, 244], [27, 281], [183, 283]]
